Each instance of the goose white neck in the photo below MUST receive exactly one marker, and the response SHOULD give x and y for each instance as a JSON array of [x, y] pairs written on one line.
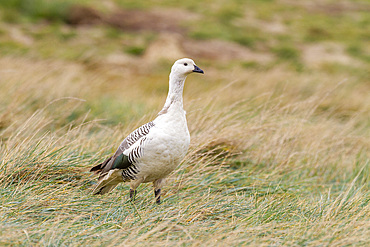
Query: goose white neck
[[176, 87], [175, 91]]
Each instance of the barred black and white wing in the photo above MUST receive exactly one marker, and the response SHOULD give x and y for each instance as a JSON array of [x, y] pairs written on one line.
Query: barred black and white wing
[[124, 163], [134, 137]]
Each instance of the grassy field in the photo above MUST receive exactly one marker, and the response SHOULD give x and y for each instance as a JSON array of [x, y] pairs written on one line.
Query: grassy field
[[279, 123]]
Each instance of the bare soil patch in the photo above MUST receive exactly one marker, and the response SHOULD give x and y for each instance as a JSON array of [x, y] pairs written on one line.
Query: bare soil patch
[[330, 8], [327, 52], [158, 20]]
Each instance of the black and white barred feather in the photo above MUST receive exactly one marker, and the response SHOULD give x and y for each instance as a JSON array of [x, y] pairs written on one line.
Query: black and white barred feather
[[130, 173], [136, 152], [135, 136], [123, 162], [133, 156]]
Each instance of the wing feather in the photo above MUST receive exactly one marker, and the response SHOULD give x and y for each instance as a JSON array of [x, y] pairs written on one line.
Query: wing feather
[[134, 137], [126, 163]]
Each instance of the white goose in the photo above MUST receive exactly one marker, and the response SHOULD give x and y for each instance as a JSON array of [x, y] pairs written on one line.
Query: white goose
[[151, 152]]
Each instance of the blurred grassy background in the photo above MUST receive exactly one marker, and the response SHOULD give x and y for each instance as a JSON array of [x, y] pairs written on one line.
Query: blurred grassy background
[[279, 122]]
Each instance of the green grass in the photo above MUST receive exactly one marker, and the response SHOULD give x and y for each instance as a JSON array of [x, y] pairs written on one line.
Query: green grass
[[135, 50], [35, 9], [242, 22]]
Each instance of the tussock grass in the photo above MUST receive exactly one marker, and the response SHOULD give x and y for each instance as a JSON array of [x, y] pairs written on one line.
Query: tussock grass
[[268, 169]]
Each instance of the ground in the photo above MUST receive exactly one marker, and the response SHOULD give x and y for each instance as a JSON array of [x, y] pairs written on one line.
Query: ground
[[279, 122]]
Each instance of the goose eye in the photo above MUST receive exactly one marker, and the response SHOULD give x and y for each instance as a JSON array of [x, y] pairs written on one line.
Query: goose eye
[[185, 64]]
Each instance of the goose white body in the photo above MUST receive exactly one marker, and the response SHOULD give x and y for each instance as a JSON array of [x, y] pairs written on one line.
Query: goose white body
[[154, 150], [166, 145]]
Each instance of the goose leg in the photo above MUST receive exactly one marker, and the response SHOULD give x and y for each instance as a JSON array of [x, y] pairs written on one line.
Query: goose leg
[[158, 184], [132, 195], [157, 195], [133, 185]]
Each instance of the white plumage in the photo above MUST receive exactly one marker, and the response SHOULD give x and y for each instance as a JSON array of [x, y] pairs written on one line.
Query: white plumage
[[152, 151]]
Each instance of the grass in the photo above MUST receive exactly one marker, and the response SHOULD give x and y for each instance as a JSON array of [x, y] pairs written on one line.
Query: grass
[[279, 152], [270, 170], [35, 9]]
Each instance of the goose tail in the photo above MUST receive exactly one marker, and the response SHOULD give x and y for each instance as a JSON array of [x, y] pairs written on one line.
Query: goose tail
[[108, 182]]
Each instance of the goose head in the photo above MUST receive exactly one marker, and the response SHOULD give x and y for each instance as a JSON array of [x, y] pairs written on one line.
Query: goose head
[[184, 67]]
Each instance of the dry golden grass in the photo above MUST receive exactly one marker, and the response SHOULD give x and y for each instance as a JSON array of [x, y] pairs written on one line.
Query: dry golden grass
[[277, 157]]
